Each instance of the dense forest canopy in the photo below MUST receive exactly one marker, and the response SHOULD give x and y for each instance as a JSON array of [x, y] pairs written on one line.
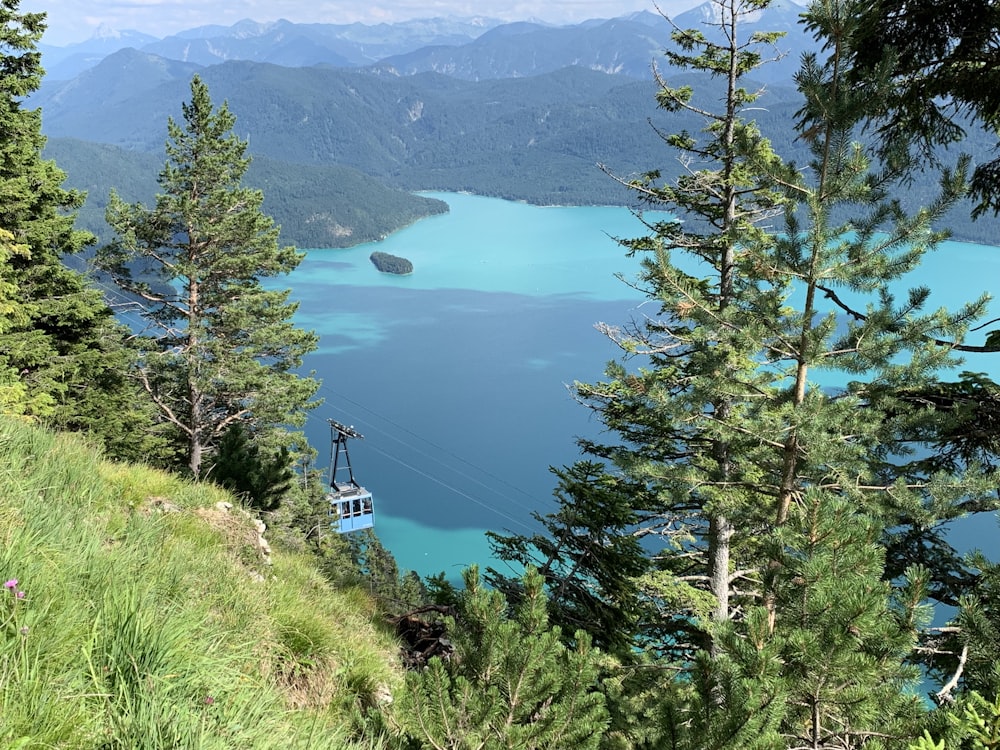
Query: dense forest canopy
[[315, 206], [388, 263], [538, 138]]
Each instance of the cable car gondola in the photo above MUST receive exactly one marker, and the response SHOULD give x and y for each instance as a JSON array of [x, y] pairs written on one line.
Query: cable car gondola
[[351, 506]]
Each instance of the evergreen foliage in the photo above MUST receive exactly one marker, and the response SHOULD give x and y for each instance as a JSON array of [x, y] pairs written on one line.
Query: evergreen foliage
[[974, 723], [769, 497], [63, 357], [954, 432], [588, 557], [13, 392], [396, 591], [943, 59], [388, 263], [223, 349], [511, 682], [239, 466], [964, 654]]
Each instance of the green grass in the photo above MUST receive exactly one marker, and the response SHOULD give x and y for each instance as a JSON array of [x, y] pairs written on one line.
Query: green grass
[[149, 620]]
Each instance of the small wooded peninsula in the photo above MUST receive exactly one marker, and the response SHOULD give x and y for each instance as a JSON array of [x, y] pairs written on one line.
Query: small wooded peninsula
[[388, 263]]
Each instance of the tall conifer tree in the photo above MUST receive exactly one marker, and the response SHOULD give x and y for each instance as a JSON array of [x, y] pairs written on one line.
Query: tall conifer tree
[[222, 348], [773, 488], [589, 558], [719, 201], [62, 356], [945, 63]]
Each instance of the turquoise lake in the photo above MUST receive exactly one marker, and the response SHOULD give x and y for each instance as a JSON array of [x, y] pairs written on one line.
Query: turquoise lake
[[457, 374]]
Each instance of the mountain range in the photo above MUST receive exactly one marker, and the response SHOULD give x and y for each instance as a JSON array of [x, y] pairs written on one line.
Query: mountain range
[[280, 42], [521, 111], [475, 48]]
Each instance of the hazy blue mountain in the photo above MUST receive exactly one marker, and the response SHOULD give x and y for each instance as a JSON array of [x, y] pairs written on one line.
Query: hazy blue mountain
[[471, 49], [281, 42], [623, 45], [365, 42], [74, 107], [63, 63], [629, 46], [780, 15]]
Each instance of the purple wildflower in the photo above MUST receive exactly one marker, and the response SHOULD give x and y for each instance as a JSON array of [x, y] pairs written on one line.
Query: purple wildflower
[[19, 594], [11, 584]]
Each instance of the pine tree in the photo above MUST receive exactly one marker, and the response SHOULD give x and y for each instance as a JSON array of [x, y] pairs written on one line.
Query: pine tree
[[511, 683], [260, 479], [589, 558], [944, 62], [974, 723], [13, 392], [676, 415], [775, 490], [962, 653], [844, 635], [222, 348], [63, 359], [718, 203]]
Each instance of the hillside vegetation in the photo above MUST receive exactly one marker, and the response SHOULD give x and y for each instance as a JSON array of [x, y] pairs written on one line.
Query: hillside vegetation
[[335, 150], [317, 206], [537, 139], [140, 611]]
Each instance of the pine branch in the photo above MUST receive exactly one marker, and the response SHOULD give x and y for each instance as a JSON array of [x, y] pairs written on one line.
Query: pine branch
[[861, 317]]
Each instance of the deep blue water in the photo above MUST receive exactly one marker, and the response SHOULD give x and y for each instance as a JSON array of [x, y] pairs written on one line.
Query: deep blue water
[[457, 374]]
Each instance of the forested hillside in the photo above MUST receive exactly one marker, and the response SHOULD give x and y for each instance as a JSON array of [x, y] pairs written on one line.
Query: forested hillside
[[540, 139], [316, 206]]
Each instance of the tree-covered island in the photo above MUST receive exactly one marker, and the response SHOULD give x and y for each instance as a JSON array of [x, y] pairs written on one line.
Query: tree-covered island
[[388, 263]]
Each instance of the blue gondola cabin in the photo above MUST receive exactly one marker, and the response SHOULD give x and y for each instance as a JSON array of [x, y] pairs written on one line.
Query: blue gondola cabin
[[351, 510]]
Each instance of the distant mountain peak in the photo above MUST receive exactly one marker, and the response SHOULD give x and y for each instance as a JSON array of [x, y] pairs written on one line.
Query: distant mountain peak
[[106, 36], [711, 12], [248, 28], [104, 31]]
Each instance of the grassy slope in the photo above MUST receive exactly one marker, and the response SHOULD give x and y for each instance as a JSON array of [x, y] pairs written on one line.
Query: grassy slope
[[150, 620]]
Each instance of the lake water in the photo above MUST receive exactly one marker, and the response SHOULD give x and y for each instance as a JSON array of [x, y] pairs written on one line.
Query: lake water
[[456, 374]]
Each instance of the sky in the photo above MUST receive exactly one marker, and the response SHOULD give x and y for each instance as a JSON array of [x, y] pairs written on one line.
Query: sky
[[72, 21]]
